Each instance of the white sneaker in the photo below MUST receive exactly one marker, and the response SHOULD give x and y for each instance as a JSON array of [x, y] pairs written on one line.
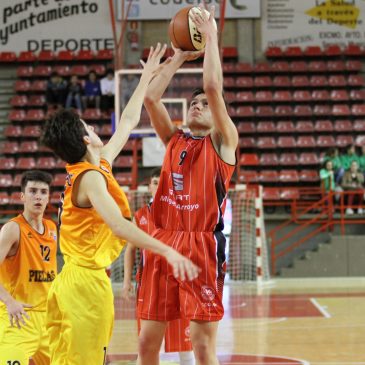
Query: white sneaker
[[360, 211], [349, 211]]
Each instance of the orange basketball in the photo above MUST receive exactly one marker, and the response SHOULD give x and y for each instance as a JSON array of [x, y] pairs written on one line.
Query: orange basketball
[[183, 32]]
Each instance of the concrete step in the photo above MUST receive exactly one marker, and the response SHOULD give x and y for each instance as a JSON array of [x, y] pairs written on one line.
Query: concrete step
[[8, 72], [4, 99]]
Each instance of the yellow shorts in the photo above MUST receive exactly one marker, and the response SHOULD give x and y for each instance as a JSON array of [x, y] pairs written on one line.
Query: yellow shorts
[[80, 316], [18, 345]]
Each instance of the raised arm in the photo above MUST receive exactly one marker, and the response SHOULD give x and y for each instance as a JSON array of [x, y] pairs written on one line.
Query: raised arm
[[157, 112], [225, 136], [93, 183], [9, 239], [132, 112]]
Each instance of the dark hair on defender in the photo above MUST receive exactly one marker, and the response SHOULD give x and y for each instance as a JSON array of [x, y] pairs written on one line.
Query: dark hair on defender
[[63, 133], [35, 175], [156, 172]]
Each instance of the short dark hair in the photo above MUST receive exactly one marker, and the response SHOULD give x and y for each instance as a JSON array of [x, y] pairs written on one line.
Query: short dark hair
[[35, 175], [63, 133], [109, 71], [199, 91], [156, 172]]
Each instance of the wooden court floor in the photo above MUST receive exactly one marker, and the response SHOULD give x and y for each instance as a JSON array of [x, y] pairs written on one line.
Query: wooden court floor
[[288, 321]]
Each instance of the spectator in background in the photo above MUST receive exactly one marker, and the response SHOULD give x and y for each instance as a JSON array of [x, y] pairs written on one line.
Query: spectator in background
[[362, 160], [349, 157], [74, 91], [327, 176], [56, 91], [353, 180], [129, 83], [107, 86], [92, 91], [332, 155]]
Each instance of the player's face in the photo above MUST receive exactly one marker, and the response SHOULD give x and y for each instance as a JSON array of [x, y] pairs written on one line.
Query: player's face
[[154, 185], [199, 114], [35, 197], [94, 139]]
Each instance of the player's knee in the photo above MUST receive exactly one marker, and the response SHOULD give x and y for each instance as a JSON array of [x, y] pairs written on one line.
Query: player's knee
[[202, 351], [13, 356], [148, 345]]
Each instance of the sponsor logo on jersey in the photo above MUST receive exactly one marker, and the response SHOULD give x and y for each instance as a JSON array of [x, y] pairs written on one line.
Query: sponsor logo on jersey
[[53, 234], [187, 332], [207, 293], [40, 276], [29, 235], [178, 181], [143, 221], [105, 169]]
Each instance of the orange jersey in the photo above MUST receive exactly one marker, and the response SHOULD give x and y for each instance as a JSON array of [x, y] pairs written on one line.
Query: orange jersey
[[194, 181], [28, 275], [85, 239]]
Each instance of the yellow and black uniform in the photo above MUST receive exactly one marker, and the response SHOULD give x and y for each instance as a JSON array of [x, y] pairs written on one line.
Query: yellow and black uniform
[[80, 310], [28, 276]]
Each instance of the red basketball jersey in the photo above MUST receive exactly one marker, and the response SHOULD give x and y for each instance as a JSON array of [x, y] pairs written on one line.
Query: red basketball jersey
[[194, 181]]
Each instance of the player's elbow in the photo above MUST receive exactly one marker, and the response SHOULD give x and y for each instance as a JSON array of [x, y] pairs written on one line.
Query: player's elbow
[[213, 87], [150, 99]]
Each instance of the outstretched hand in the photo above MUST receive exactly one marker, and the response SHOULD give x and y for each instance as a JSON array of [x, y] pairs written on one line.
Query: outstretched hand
[[182, 267], [153, 66], [187, 55], [205, 24]]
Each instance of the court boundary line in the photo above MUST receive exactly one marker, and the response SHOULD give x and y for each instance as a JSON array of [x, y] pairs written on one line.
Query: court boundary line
[[323, 310]]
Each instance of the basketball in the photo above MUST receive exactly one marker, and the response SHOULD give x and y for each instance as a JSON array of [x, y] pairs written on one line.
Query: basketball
[[183, 32]]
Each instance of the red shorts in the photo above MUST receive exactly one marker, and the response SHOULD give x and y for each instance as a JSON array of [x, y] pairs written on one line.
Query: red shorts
[[161, 297]]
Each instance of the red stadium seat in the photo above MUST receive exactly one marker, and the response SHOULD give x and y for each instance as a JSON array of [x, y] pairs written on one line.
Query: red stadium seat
[[283, 96], [284, 111], [343, 126], [263, 97], [266, 143], [228, 67], [243, 96], [32, 131], [308, 158], [326, 141], [300, 81], [298, 66], [344, 141], [359, 125], [24, 71], [46, 163], [269, 159], [79, 70], [247, 142], [246, 128], [353, 65], [62, 70], [332, 50], [306, 142], [358, 110], [7, 163], [245, 111], [5, 180], [4, 198], [85, 55], [38, 86], [123, 161], [28, 147], [106, 130], [266, 127], [341, 110], [17, 181], [303, 111], [336, 66], [360, 141], [37, 101], [124, 178], [65, 56], [59, 180], [282, 81], [241, 81], [288, 176], [25, 163], [320, 95], [42, 71], [339, 95], [317, 66], [229, 52], [357, 95], [15, 198], [243, 67], [322, 110], [273, 52], [289, 194], [227, 82], [302, 96], [21, 86], [280, 66], [271, 193], [268, 176], [7, 57], [248, 177], [249, 159], [104, 54], [264, 111], [7, 148], [318, 81], [304, 127], [91, 114], [99, 69], [12, 131], [289, 159], [262, 67], [19, 101], [353, 50], [27, 56], [356, 80], [55, 198], [17, 115], [323, 126], [262, 81], [313, 51], [286, 142], [293, 51], [337, 81], [46, 56], [285, 127], [35, 115], [308, 175], [60, 164]]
